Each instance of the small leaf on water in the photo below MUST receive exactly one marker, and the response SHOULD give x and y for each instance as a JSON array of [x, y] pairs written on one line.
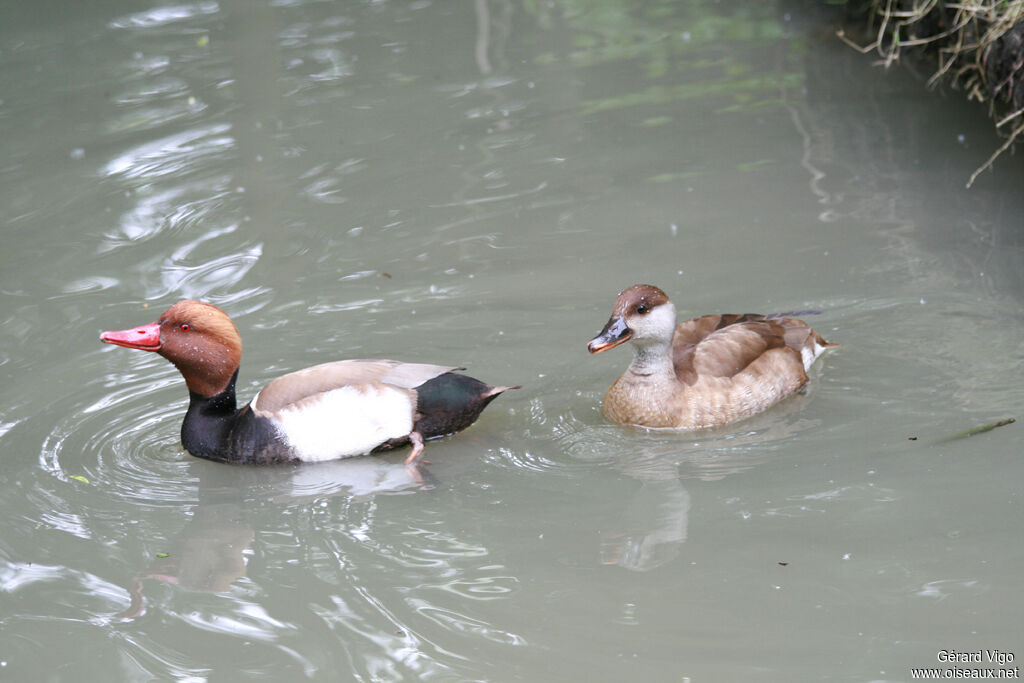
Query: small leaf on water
[[78, 477], [163, 555]]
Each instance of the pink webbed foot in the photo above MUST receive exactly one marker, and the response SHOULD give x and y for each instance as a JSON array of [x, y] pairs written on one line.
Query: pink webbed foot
[[416, 457]]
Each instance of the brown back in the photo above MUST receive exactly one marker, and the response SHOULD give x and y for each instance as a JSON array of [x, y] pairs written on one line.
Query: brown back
[[722, 345]]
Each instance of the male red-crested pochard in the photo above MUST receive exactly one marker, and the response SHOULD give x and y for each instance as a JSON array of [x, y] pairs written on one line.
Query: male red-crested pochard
[[335, 410], [704, 372]]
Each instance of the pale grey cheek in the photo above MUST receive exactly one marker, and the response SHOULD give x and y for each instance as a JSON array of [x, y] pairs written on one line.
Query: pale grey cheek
[[658, 322]]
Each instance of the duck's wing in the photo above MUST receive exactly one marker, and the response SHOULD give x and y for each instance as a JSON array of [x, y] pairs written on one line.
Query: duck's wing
[[723, 345], [694, 331], [294, 387]]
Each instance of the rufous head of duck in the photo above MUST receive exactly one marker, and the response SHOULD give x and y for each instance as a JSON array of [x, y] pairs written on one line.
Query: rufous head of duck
[[643, 314], [197, 337]]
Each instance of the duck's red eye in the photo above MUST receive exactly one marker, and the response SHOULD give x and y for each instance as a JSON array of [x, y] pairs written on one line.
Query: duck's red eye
[[185, 327]]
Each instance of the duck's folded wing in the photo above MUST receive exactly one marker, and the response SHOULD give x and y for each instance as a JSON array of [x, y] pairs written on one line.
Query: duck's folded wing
[[297, 386], [728, 350], [695, 330]]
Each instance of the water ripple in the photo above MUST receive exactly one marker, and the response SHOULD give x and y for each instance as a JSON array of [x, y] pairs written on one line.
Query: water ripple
[[216, 274], [172, 209], [172, 154], [579, 437], [162, 16], [461, 623], [126, 442]]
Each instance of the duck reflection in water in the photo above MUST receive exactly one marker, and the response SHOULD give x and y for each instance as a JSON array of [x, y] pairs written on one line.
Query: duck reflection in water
[[209, 554], [652, 529], [654, 526]]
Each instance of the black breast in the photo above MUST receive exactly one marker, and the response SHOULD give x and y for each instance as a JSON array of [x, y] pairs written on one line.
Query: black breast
[[255, 441], [212, 430]]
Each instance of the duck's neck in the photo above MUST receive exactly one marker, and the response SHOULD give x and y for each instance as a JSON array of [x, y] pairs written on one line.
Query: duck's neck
[[208, 422], [652, 360]]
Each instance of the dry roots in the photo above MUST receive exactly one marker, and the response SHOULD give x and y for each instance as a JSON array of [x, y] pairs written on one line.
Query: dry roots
[[979, 47]]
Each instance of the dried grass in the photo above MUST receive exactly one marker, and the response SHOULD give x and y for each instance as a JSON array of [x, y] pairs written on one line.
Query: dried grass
[[978, 45]]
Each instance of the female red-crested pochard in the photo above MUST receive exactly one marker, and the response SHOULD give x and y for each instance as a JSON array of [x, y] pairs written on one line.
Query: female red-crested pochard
[[335, 410], [704, 372]]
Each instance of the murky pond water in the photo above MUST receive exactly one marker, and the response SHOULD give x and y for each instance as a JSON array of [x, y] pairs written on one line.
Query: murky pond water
[[471, 184]]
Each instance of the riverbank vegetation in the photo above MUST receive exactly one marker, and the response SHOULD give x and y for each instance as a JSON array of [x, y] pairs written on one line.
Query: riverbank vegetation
[[976, 46]]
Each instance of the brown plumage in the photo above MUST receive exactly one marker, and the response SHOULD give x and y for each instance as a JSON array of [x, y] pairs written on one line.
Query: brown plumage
[[203, 344], [704, 372]]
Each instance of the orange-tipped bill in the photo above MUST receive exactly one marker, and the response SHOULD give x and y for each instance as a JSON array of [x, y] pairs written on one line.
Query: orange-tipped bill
[[614, 333], [145, 338]]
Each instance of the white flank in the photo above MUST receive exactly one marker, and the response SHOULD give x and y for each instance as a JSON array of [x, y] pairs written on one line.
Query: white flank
[[346, 422]]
